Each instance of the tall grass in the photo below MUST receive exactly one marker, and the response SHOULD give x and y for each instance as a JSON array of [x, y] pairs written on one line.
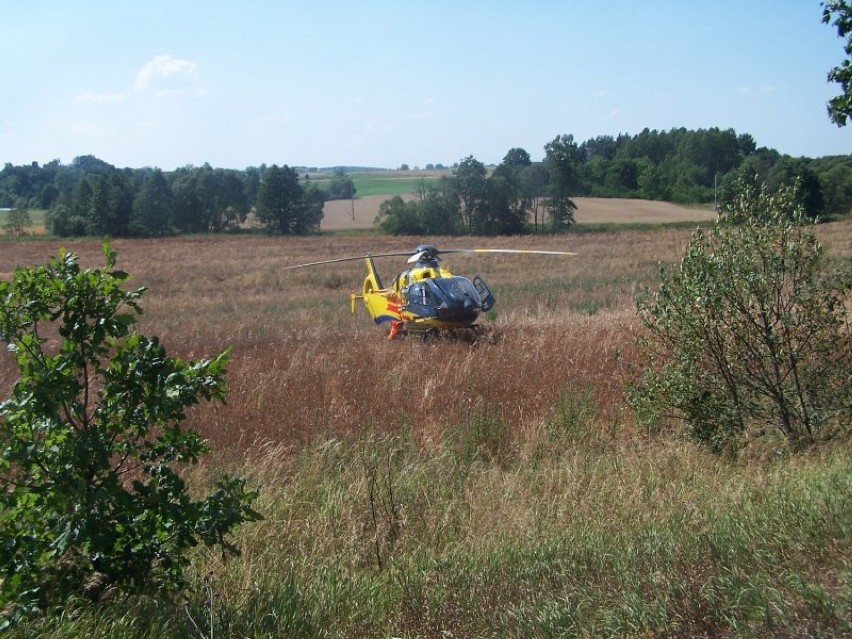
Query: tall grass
[[378, 535], [449, 489]]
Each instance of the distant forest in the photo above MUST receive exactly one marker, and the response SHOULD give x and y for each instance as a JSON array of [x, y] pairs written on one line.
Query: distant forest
[[92, 197]]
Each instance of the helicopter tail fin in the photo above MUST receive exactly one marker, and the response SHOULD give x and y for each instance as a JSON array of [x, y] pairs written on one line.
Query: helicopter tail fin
[[373, 280]]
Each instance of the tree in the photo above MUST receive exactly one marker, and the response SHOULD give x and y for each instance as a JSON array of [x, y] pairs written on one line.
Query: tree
[[207, 199], [435, 213], [310, 214], [153, 206], [839, 13], [789, 172], [19, 219], [187, 205], [119, 204], [283, 206], [438, 210], [223, 201], [505, 209], [341, 187], [516, 158], [835, 178], [398, 217], [90, 437], [470, 181], [562, 157], [534, 185], [750, 334], [62, 221], [509, 198]]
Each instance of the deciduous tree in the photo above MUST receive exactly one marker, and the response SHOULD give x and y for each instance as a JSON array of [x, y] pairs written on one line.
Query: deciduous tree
[[470, 181], [839, 14], [750, 334], [562, 157], [90, 442], [153, 207], [283, 206], [19, 219]]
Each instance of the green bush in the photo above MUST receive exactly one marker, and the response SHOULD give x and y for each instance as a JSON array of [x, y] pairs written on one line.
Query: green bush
[[89, 442], [750, 334]]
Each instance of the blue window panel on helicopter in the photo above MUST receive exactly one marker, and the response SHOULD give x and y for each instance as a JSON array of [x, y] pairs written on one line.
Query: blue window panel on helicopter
[[450, 299]]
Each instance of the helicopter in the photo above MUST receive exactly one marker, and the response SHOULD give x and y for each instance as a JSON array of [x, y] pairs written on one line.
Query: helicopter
[[425, 299]]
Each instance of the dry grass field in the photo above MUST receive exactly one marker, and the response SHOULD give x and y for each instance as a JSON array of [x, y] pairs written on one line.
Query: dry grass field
[[452, 489], [303, 366]]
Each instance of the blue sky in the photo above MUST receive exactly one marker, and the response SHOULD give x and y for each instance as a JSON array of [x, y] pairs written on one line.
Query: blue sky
[[382, 83]]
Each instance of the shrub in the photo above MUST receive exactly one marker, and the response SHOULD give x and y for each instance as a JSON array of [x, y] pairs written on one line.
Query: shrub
[[750, 333], [89, 441]]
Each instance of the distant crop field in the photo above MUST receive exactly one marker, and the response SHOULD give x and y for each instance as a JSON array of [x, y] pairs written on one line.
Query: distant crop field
[[37, 216], [390, 186], [386, 183]]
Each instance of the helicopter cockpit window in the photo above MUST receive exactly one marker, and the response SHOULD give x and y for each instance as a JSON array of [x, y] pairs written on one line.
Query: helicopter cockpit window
[[457, 288], [419, 293]]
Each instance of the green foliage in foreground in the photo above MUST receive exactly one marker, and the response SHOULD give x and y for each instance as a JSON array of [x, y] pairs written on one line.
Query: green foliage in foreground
[[92, 504], [573, 532], [750, 333]]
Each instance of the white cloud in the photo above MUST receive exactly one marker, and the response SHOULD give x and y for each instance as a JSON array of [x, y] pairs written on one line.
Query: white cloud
[[166, 75], [162, 76]]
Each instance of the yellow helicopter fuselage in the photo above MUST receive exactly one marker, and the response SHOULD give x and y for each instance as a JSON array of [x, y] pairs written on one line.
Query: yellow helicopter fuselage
[[398, 305], [425, 298]]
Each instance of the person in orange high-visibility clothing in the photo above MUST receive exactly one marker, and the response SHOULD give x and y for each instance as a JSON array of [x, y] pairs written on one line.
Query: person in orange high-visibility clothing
[[395, 329]]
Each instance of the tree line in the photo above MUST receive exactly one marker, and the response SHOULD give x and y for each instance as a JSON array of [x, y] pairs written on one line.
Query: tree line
[[92, 197], [682, 166]]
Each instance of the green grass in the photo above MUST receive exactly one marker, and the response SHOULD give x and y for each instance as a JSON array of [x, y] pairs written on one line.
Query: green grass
[[389, 184], [564, 534]]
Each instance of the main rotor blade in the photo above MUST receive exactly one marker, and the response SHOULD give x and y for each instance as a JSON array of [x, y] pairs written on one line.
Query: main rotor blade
[[416, 256], [519, 251], [345, 259]]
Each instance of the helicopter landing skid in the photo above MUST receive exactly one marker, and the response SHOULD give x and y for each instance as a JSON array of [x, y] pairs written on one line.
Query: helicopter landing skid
[[470, 333]]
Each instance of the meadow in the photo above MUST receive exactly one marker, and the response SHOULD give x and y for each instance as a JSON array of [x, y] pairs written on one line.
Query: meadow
[[386, 183], [500, 488]]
